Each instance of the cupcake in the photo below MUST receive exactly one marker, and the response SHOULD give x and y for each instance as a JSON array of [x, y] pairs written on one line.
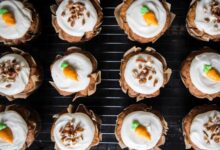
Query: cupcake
[[203, 20], [19, 21], [200, 73], [19, 127], [140, 127], [143, 73], [77, 20], [201, 128], [77, 128], [144, 21], [75, 73], [19, 74]]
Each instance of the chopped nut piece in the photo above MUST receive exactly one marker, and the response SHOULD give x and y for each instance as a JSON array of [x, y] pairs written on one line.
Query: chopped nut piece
[[143, 81], [155, 82], [207, 20]]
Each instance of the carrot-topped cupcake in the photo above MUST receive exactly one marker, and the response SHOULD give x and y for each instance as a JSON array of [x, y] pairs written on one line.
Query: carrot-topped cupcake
[[201, 73], [77, 20], [78, 128], [143, 73], [144, 20], [203, 20], [19, 22], [140, 127], [75, 73]]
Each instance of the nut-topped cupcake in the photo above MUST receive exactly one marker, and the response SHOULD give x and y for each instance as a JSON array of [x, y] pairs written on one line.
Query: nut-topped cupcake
[[144, 20], [203, 20], [143, 73], [19, 22], [77, 20]]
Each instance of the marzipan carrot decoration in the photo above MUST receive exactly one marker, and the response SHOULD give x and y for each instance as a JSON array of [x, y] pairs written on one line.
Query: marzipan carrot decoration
[[140, 130], [69, 71], [5, 133], [8, 17], [149, 16], [212, 73]]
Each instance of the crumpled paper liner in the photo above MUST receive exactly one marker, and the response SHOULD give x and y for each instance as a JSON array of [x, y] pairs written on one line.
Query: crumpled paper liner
[[35, 78], [95, 76], [32, 32], [193, 30], [32, 119], [187, 121], [120, 15], [139, 107], [82, 109], [74, 39], [185, 75], [134, 51]]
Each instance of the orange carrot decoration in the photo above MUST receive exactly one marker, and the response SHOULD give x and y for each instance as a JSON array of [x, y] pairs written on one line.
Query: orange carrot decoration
[[6, 133], [8, 17], [69, 71], [149, 16], [140, 130], [211, 72]]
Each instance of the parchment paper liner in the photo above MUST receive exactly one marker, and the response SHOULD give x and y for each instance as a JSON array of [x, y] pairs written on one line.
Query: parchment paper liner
[[120, 15], [74, 39], [82, 109], [32, 32], [95, 76], [32, 119], [185, 75], [193, 30], [187, 121], [35, 77], [139, 107], [134, 51]]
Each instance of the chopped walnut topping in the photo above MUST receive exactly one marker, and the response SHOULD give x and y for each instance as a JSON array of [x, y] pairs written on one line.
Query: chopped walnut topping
[[215, 9], [207, 20], [155, 82]]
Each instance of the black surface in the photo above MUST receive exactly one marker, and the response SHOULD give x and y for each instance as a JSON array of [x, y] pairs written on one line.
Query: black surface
[[108, 47]]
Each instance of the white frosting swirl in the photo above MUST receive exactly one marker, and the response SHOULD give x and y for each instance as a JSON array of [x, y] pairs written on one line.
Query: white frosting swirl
[[199, 77], [204, 19], [197, 131], [85, 122], [18, 127], [83, 67], [22, 16], [79, 29], [137, 23], [147, 119], [21, 79], [148, 87]]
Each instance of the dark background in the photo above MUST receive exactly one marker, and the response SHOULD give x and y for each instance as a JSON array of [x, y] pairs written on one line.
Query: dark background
[[174, 101]]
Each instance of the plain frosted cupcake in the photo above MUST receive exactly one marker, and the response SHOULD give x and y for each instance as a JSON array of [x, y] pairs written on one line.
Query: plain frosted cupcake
[[201, 128], [78, 128], [203, 20], [19, 21], [77, 20], [200, 73], [140, 127], [143, 73], [19, 127], [19, 74], [144, 20]]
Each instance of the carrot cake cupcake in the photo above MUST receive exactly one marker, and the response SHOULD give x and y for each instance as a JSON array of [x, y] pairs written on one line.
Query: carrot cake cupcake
[[200, 73], [144, 21], [75, 73], [143, 73], [19, 74], [19, 22], [19, 127], [77, 129], [77, 20], [203, 20], [201, 128], [140, 127]]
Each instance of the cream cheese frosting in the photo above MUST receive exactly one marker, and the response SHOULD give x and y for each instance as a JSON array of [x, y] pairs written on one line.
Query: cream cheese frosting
[[77, 26], [84, 122], [147, 119], [137, 23], [151, 69], [22, 78], [83, 67], [199, 78], [198, 130], [205, 18], [18, 127], [22, 16]]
